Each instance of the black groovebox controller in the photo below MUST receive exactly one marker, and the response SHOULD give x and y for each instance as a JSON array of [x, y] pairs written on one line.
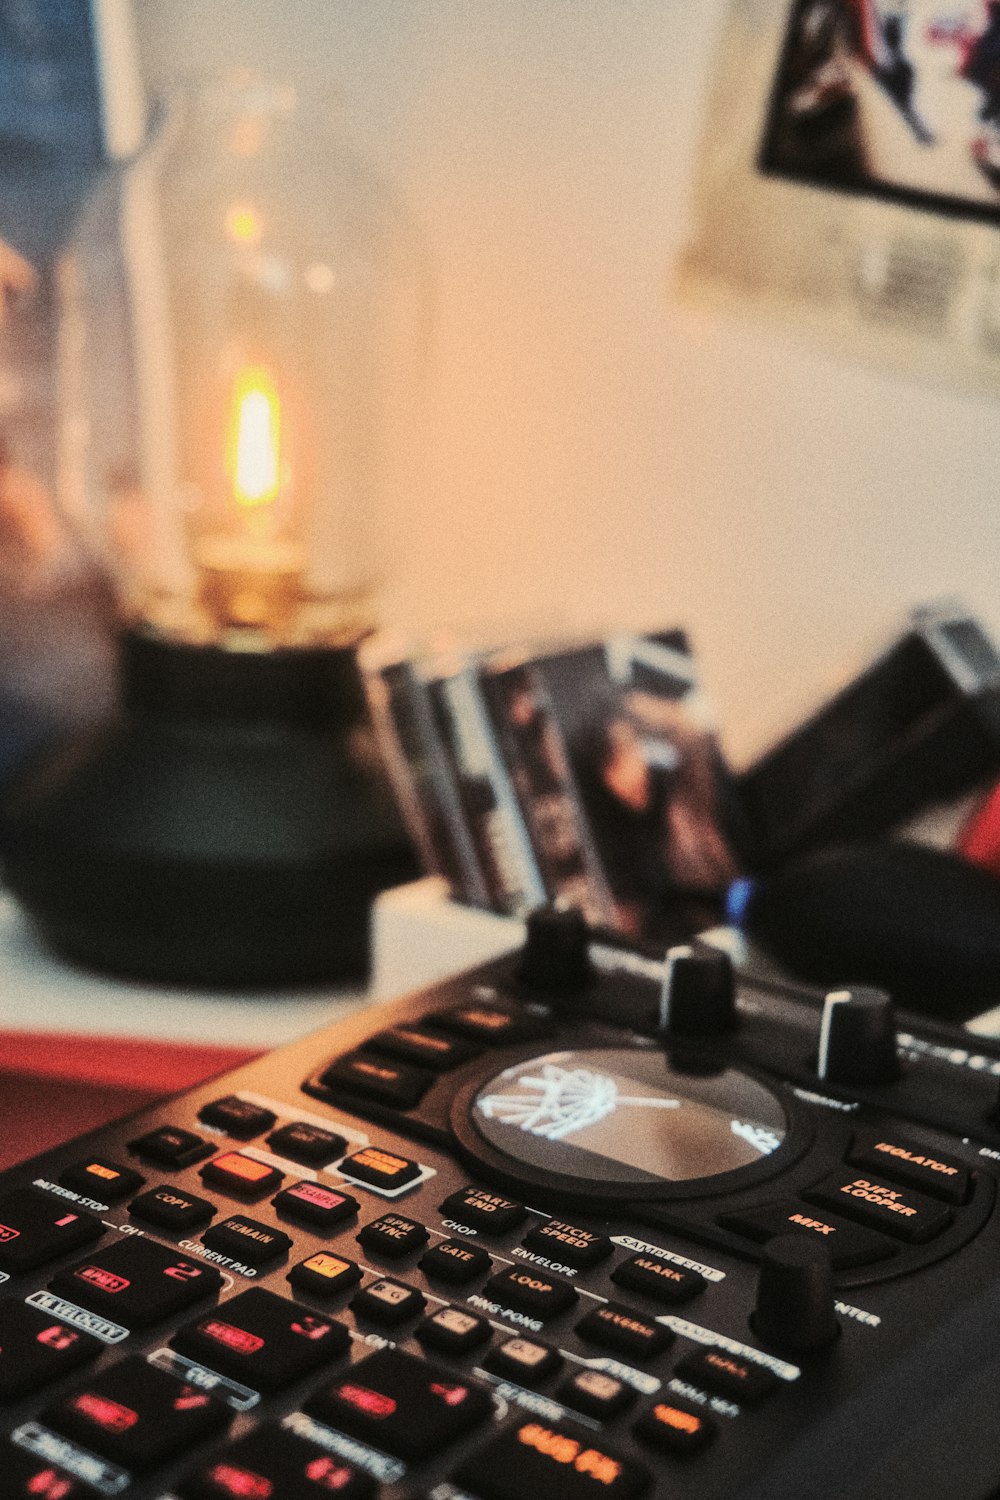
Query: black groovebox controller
[[577, 1225]]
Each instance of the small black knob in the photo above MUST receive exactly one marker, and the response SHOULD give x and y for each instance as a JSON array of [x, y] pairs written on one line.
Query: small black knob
[[555, 958], [795, 1297], [857, 1038], [698, 997]]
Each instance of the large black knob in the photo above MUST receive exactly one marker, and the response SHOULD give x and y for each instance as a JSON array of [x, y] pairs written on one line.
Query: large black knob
[[857, 1038], [698, 997], [795, 1297], [555, 958]]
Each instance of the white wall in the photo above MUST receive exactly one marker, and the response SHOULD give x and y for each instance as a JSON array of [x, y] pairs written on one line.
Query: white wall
[[591, 447]]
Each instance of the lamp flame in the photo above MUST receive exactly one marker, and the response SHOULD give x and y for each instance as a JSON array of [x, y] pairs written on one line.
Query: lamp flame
[[254, 447]]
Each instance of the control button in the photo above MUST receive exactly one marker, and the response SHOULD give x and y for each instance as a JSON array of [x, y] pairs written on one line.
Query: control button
[[262, 1340], [237, 1117], [489, 1024], [596, 1394], [99, 1178], [848, 1243], [172, 1208], [392, 1236], [36, 1229], [35, 1349], [170, 1147], [567, 1242], [555, 958], [242, 1176], [794, 1311], [136, 1281], [728, 1375], [307, 1144], [272, 1463], [455, 1262], [660, 1279], [554, 1459], [27, 1477], [698, 996], [312, 1203], [379, 1078], [380, 1169], [526, 1361], [247, 1240], [904, 1160], [532, 1290], [624, 1331], [675, 1426], [857, 1038], [479, 1209], [388, 1302], [419, 1045], [453, 1330], [897, 1211], [137, 1415], [409, 1407], [325, 1275]]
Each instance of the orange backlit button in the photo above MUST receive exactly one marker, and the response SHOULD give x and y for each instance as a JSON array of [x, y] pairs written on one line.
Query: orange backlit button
[[624, 1331], [263, 1340], [325, 1275], [675, 1426], [554, 1459], [136, 1415], [97, 1177], [728, 1375], [384, 1079], [849, 1244], [429, 1049], [896, 1210], [488, 1024], [241, 1176], [405, 1406], [380, 1169], [905, 1160]]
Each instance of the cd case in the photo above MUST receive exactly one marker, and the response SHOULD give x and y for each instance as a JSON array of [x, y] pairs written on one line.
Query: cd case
[[584, 774]]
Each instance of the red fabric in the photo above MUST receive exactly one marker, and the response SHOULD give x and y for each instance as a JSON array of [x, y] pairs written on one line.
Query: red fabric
[[116, 1062]]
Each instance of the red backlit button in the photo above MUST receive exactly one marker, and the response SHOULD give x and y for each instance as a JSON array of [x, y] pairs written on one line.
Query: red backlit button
[[35, 1349], [242, 1176], [137, 1415], [263, 1340], [556, 1459], [272, 1463], [36, 1229], [312, 1203], [406, 1406], [137, 1282], [26, 1477]]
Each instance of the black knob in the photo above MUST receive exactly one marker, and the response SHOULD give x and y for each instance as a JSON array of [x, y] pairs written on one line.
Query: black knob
[[555, 958], [795, 1297], [698, 997], [857, 1038]]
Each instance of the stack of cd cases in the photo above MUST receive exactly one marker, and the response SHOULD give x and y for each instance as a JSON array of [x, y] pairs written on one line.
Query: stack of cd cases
[[584, 775]]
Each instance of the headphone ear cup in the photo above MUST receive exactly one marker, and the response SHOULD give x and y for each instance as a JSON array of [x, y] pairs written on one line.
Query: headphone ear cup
[[922, 923]]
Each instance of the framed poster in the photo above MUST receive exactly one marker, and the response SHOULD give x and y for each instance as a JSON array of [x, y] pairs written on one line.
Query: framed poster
[[850, 177]]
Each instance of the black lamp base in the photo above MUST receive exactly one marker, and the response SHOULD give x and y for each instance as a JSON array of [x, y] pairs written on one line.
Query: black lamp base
[[230, 830]]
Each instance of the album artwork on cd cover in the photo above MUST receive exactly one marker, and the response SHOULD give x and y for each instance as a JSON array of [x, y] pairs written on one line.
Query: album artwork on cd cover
[[898, 99]]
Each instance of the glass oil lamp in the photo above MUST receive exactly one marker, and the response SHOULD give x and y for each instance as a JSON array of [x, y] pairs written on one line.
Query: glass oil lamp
[[240, 329]]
